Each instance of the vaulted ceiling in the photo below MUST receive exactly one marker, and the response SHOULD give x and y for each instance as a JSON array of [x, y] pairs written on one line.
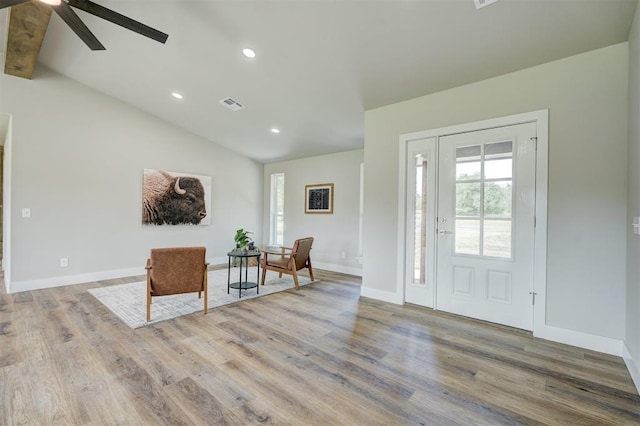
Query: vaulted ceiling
[[319, 64]]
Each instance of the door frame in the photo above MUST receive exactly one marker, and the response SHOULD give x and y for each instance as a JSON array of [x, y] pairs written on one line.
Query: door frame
[[541, 118]]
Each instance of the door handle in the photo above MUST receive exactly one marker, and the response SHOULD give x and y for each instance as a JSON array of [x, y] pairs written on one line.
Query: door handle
[[442, 232]]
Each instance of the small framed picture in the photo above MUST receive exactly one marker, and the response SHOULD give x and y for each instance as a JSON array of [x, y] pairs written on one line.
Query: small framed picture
[[318, 198]]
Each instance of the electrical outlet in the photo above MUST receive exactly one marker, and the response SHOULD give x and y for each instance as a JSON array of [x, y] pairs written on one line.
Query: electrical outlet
[[64, 262], [343, 255], [26, 212]]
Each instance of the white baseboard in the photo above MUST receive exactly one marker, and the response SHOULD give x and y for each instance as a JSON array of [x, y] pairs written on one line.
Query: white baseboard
[[577, 338], [385, 296], [338, 268], [631, 366], [27, 285]]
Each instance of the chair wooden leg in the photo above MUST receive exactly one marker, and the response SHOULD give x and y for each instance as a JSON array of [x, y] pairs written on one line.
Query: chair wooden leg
[[206, 289], [199, 295], [264, 274], [295, 279], [310, 269]]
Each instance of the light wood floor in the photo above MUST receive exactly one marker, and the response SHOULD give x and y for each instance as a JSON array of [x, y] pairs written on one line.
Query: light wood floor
[[320, 355]]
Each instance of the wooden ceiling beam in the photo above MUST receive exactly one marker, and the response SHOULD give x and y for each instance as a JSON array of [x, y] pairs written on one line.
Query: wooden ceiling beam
[[28, 24]]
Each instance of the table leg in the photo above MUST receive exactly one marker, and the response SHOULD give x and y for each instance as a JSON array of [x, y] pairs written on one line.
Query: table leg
[[258, 277], [229, 275], [240, 280]]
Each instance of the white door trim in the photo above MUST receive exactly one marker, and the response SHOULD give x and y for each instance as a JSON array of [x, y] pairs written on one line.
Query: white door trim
[[541, 118]]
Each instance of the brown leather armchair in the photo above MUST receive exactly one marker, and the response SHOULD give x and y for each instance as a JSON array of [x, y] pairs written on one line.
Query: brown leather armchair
[[289, 260], [176, 270]]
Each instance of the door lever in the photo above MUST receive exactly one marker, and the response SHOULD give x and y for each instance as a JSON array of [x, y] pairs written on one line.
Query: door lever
[[442, 232]]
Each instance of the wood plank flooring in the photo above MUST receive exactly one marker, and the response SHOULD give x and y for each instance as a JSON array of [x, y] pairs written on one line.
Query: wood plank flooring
[[320, 355]]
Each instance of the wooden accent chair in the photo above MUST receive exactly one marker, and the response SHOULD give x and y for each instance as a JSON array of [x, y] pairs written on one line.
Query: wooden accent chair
[[176, 270], [289, 260]]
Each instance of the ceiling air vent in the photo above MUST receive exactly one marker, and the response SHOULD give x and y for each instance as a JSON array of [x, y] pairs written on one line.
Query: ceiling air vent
[[231, 103], [483, 3]]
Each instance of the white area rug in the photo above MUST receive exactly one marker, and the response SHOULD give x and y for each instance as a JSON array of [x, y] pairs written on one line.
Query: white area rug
[[129, 301]]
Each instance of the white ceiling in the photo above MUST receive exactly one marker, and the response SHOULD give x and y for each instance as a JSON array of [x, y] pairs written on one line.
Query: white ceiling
[[320, 64]]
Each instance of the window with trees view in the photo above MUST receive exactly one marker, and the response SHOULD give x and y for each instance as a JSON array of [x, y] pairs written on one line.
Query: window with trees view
[[276, 236], [484, 194]]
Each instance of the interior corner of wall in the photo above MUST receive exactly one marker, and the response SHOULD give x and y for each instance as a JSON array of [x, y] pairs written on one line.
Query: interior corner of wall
[[632, 366]]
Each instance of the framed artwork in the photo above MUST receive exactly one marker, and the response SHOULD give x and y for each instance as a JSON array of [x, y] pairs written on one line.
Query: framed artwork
[[172, 198], [318, 198]]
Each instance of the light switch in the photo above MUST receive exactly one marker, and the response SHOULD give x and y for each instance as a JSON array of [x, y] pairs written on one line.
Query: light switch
[[636, 225], [26, 212]]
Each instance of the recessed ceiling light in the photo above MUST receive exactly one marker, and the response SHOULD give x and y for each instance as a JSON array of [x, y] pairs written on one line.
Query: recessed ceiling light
[[177, 95], [275, 130], [249, 53], [52, 2]]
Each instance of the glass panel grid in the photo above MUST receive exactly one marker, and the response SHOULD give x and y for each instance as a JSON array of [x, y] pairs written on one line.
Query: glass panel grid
[[484, 200]]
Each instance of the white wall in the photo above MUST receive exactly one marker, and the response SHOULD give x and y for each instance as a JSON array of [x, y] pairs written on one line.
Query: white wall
[[587, 100], [334, 233], [632, 334], [77, 162]]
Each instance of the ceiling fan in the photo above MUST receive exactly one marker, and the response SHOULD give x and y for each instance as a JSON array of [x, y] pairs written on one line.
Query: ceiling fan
[[64, 9]]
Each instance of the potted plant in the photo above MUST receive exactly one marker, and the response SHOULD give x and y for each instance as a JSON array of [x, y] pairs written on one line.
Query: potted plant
[[242, 238]]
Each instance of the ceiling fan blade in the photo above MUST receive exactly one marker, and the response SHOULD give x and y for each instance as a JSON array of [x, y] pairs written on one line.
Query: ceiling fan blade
[[69, 16], [9, 3], [118, 19]]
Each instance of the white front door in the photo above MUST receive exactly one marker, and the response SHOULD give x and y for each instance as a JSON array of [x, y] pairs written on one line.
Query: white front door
[[486, 213]]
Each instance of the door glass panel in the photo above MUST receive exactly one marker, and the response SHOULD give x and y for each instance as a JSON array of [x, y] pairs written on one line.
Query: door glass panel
[[420, 220], [468, 199], [497, 238], [468, 162], [466, 171], [484, 193], [498, 150], [467, 236], [498, 162], [497, 199], [498, 169], [468, 153]]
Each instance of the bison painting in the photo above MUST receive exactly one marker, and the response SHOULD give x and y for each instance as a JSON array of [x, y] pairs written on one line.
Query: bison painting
[[173, 199]]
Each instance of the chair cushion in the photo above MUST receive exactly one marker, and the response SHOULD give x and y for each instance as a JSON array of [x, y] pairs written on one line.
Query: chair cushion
[[277, 261]]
